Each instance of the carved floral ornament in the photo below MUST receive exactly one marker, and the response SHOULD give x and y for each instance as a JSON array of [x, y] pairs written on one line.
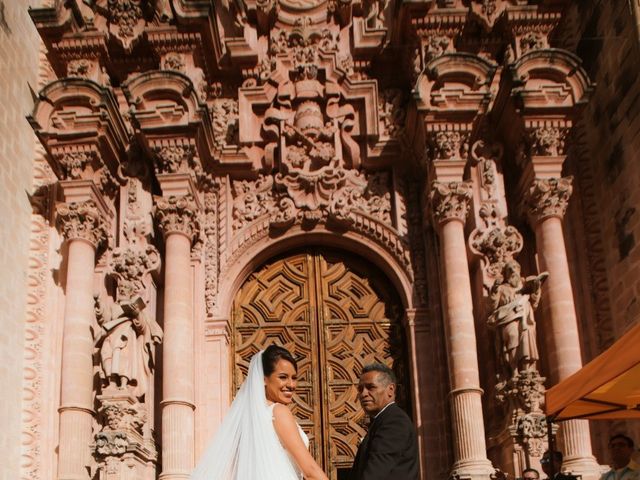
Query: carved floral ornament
[[178, 215], [73, 164], [549, 197], [448, 145], [496, 245], [450, 201], [130, 266], [174, 158], [225, 122], [548, 141], [301, 46], [116, 415], [392, 111], [83, 221], [340, 193]]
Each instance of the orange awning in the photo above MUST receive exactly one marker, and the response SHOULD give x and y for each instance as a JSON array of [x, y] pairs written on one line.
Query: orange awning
[[606, 388]]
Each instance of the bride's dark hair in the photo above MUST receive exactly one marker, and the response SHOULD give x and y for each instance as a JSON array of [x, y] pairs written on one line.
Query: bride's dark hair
[[272, 354]]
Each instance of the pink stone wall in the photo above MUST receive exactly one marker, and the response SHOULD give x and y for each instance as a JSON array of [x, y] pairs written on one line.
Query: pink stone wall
[[18, 68], [603, 224]]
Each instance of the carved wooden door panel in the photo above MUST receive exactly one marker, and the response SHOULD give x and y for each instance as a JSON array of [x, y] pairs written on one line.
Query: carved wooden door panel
[[335, 315]]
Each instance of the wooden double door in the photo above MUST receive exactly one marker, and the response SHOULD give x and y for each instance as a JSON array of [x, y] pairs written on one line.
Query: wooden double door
[[335, 313]]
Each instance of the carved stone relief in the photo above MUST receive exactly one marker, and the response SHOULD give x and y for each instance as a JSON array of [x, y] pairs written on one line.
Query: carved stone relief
[[549, 197], [392, 111], [225, 122], [211, 248], [448, 145], [178, 215], [450, 201]]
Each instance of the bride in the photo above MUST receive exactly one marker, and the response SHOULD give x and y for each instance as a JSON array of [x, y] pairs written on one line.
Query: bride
[[259, 438]]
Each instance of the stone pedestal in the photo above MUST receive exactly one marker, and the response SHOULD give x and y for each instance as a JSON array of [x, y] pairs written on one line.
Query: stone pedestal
[[121, 450]]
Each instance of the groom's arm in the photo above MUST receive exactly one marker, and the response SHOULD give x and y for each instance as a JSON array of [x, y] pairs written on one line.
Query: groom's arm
[[391, 440]]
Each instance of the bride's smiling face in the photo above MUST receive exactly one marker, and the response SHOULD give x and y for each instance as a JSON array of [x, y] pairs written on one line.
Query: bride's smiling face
[[280, 385]]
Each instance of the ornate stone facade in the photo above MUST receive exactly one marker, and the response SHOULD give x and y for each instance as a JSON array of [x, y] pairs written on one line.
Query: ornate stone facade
[[189, 146]]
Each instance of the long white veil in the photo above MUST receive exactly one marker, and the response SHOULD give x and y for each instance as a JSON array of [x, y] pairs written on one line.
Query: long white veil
[[246, 446]]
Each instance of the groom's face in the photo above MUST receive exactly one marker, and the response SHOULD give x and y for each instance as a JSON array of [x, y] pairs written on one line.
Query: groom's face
[[374, 392]]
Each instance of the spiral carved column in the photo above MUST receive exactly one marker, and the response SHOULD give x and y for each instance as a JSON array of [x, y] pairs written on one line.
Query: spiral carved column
[[450, 205], [83, 224], [177, 218]]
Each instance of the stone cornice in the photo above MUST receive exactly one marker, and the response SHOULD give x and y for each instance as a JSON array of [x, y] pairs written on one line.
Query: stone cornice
[[78, 115]]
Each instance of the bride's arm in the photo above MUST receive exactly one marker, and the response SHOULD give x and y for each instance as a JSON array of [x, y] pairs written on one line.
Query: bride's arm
[[287, 430]]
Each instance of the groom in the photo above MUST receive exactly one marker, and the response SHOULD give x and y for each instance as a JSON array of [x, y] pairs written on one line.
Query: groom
[[389, 451]]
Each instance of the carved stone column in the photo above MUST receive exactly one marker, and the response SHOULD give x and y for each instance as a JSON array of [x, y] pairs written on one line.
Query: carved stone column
[[547, 201], [450, 205], [178, 220], [82, 220]]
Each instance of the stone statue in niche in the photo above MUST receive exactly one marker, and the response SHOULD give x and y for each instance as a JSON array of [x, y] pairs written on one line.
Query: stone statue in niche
[[514, 300], [126, 343]]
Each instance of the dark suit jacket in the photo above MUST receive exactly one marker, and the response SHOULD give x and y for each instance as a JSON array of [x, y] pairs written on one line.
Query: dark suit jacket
[[389, 451]]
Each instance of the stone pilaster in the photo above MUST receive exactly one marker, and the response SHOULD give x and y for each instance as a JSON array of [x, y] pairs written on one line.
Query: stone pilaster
[[177, 217], [83, 222], [450, 206]]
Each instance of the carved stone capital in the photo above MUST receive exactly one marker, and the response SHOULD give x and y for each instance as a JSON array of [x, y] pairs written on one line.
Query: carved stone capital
[[548, 197], [82, 221], [178, 215], [450, 201]]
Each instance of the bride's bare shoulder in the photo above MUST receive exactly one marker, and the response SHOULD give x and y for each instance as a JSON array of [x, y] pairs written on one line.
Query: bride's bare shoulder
[[281, 413]]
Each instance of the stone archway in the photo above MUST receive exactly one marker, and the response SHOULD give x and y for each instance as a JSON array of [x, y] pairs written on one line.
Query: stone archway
[[336, 313]]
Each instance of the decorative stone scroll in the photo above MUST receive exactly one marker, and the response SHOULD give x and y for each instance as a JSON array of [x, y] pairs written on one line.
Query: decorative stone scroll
[[83, 221], [178, 215], [450, 201], [549, 197]]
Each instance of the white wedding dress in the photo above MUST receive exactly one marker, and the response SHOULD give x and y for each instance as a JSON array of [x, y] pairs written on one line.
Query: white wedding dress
[[305, 439], [246, 446]]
